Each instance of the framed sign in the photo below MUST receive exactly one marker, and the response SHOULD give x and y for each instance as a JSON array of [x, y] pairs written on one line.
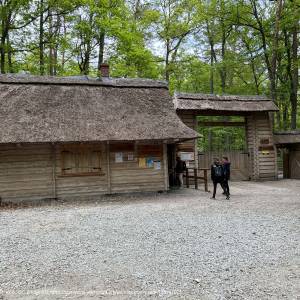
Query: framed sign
[[186, 156]]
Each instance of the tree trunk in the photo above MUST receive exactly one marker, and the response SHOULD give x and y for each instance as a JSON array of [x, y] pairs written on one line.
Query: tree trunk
[[51, 48], [223, 67], [101, 50], [41, 39], [9, 55], [2, 45], [63, 51], [167, 71], [285, 117], [211, 80], [294, 75]]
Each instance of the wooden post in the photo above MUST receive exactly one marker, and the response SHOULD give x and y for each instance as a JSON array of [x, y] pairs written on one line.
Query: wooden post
[[196, 162], [53, 148], [205, 180], [108, 168], [165, 162], [196, 178], [187, 178]]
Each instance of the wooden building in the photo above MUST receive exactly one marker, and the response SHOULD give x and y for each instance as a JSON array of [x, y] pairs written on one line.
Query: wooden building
[[255, 110], [289, 144], [68, 137]]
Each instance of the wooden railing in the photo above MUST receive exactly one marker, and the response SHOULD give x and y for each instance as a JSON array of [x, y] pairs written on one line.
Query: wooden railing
[[196, 177]]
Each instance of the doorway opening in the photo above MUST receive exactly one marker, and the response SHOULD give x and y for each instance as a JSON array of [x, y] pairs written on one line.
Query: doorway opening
[[224, 136]]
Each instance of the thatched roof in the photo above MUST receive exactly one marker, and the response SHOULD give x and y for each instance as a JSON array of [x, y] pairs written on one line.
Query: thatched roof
[[290, 137], [49, 109], [229, 103]]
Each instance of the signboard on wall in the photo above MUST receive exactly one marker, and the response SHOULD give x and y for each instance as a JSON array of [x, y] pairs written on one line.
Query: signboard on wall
[[186, 156], [118, 157]]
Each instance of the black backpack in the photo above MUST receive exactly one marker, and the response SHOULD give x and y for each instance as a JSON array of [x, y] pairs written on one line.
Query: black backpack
[[219, 172]]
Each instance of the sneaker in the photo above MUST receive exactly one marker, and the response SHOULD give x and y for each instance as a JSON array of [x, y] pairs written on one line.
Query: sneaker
[[227, 198], [212, 197]]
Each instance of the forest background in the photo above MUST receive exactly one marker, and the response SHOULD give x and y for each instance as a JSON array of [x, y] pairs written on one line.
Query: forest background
[[213, 46]]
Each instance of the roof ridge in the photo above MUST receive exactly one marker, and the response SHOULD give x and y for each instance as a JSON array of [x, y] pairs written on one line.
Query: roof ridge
[[83, 80], [203, 96]]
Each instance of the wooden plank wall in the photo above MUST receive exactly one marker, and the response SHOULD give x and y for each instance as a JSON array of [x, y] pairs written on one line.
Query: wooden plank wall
[[238, 159], [25, 172], [189, 119], [34, 172], [128, 176], [262, 152], [294, 162], [80, 186]]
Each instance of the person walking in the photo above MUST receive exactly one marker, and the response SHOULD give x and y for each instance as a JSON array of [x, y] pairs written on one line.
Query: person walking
[[226, 171], [180, 169], [217, 175]]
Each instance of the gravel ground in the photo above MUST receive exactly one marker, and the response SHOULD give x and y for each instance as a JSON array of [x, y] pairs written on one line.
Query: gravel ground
[[179, 245]]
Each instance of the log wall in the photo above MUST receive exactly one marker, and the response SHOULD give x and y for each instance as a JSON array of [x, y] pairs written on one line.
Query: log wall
[[34, 172], [261, 148], [25, 172]]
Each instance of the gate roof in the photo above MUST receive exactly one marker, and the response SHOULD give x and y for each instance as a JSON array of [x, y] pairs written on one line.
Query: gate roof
[[290, 137], [224, 103]]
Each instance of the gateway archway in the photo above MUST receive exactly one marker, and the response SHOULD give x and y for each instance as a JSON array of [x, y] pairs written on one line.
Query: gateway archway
[[255, 111]]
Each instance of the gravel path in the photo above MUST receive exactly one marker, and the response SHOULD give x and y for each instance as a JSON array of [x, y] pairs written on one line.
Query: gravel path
[[179, 245]]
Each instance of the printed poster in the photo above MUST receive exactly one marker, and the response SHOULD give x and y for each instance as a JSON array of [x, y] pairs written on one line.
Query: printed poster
[[157, 165], [119, 157], [130, 157], [149, 162], [142, 162]]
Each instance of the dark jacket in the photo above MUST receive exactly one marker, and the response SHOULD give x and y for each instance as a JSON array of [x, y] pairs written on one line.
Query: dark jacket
[[226, 168], [180, 166], [217, 173]]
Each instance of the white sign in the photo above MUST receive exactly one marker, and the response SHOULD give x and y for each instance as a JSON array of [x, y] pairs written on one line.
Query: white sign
[[157, 165], [119, 157], [130, 156], [186, 156]]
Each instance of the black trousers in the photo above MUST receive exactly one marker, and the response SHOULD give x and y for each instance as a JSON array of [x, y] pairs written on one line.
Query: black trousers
[[223, 184], [226, 187], [215, 183]]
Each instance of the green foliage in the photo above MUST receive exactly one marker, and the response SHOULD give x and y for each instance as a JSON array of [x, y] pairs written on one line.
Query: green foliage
[[221, 138]]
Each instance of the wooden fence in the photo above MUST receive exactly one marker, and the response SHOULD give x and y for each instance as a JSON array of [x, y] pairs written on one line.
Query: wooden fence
[[238, 159]]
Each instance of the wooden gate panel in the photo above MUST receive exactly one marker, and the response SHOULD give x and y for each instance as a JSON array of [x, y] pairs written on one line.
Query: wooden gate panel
[[238, 159]]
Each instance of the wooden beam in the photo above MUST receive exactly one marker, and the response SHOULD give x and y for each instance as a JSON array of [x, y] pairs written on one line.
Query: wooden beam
[[221, 123], [217, 112], [165, 166], [53, 157], [109, 189]]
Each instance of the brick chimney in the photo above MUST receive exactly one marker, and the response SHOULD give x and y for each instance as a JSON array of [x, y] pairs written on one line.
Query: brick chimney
[[104, 70]]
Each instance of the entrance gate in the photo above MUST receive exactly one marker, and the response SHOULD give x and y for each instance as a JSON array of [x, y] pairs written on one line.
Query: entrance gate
[[261, 163]]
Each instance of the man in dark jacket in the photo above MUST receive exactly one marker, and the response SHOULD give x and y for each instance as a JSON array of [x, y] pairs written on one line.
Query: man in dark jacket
[[226, 168], [180, 169], [217, 175]]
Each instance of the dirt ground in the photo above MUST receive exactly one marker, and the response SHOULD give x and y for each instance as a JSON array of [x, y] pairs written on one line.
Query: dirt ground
[[179, 245]]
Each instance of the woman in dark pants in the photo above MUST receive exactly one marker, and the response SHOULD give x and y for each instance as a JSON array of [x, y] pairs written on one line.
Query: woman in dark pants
[[226, 170]]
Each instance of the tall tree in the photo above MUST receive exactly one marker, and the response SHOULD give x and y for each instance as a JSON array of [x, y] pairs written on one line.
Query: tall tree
[[175, 23]]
